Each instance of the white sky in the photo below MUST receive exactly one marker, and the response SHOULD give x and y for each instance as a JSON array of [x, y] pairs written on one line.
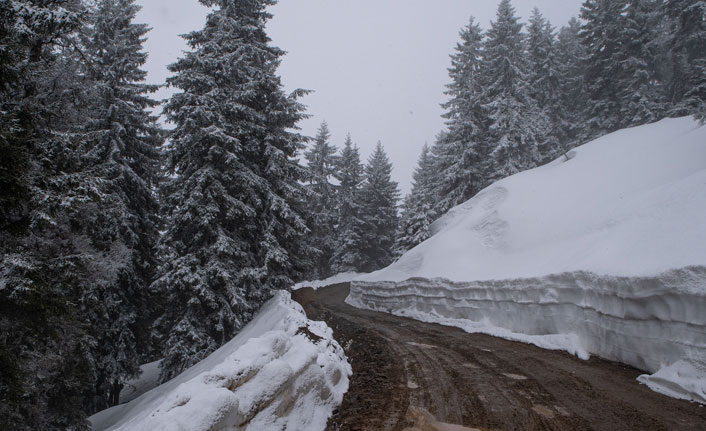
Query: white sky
[[378, 67]]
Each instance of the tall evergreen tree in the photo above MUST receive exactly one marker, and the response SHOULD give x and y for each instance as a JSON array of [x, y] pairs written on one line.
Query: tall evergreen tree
[[461, 154], [234, 230], [571, 98], [517, 125], [321, 161], [44, 372], [419, 207], [601, 36], [641, 89], [687, 89], [350, 229], [544, 82], [379, 211], [121, 151]]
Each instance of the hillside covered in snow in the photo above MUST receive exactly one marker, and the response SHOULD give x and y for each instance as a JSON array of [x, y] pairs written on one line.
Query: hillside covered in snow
[[600, 252]]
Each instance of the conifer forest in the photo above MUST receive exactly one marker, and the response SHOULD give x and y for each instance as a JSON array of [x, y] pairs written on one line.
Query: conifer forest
[[127, 237]]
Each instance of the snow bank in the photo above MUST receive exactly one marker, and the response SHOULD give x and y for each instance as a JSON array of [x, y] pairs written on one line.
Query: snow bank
[[603, 253], [630, 203], [343, 277], [281, 371]]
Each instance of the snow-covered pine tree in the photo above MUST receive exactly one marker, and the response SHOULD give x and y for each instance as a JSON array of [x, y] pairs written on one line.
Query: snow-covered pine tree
[[321, 161], [350, 228], [44, 374], [122, 153], [234, 230], [544, 82], [461, 153], [687, 89], [571, 98], [640, 86], [517, 125], [419, 207], [601, 37], [379, 211]]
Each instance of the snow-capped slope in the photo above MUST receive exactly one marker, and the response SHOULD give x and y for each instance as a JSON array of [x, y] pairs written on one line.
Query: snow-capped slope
[[630, 203], [604, 253], [281, 371]]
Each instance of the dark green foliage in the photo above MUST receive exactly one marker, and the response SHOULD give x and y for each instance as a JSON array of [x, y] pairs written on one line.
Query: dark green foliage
[[234, 230], [379, 196], [321, 161], [350, 228]]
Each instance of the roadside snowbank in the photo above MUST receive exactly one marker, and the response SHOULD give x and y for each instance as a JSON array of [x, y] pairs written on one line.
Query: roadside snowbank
[[603, 253], [343, 277], [657, 324], [281, 371]]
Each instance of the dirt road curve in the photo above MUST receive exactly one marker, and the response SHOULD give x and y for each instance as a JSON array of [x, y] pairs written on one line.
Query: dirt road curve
[[409, 375]]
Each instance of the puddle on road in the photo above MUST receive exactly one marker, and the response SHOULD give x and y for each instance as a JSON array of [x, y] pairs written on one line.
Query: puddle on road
[[425, 421], [423, 346], [514, 376], [544, 411]]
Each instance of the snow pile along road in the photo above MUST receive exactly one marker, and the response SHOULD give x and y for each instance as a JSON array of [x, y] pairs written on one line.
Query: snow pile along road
[[281, 371], [604, 253]]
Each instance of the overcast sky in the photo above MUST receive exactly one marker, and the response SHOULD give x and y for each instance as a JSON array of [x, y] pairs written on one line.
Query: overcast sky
[[377, 67]]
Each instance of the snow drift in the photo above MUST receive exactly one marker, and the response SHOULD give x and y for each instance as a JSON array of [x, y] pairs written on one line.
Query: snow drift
[[603, 252], [281, 371]]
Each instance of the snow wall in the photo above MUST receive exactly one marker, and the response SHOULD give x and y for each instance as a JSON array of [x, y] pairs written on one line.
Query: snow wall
[[647, 322], [282, 371]]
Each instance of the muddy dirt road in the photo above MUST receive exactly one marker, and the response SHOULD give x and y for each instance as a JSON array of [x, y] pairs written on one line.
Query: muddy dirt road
[[410, 375]]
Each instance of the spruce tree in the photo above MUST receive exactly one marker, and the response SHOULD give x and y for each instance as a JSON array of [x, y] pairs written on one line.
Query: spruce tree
[[544, 83], [44, 371], [461, 154], [571, 98], [234, 230], [378, 211], [350, 227], [321, 161], [641, 89], [517, 125], [419, 207], [121, 151], [601, 37], [687, 88]]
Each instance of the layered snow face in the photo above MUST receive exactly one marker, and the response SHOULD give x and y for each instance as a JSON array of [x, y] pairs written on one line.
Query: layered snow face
[[630, 203], [602, 252], [647, 322], [281, 371]]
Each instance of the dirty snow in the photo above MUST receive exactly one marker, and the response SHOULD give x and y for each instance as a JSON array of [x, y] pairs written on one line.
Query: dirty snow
[[603, 253], [343, 277], [280, 372]]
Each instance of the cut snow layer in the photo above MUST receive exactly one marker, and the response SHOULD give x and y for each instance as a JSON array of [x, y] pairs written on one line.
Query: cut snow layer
[[647, 322], [602, 252], [280, 372], [630, 203], [343, 277]]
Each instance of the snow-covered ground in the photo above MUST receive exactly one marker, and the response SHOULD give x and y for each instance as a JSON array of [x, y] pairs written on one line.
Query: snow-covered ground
[[280, 372], [604, 253], [342, 277]]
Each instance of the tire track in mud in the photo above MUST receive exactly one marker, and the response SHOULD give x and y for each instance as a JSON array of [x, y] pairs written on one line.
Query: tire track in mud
[[403, 368]]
